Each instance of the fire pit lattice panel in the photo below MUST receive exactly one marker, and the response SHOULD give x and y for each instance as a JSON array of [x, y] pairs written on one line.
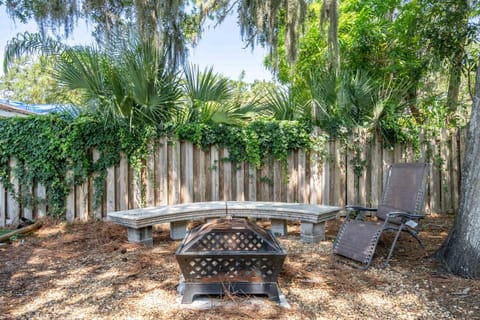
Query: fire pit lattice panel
[[237, 241], [230, 254]]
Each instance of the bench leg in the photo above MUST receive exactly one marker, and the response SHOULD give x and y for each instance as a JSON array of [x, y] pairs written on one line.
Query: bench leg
[[312, 232], [278, 227], [142, 235], [178, 230]]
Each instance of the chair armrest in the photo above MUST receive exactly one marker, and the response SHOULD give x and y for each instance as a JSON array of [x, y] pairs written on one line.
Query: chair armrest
[[409, 220], [359, 208], [355, 212], [405, 215]]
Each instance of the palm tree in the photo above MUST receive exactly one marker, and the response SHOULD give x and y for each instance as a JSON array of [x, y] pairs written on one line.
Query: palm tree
[[130, 81], [130, 84], [282, 104], [209, 98]]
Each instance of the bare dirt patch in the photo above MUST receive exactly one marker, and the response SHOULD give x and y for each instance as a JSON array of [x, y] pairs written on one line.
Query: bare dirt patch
[[90, 271]]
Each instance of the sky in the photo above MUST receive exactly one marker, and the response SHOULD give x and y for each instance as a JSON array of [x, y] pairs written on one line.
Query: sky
[[219, 47]]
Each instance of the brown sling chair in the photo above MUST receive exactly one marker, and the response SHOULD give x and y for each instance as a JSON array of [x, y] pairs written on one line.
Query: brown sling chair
[[400, 209]]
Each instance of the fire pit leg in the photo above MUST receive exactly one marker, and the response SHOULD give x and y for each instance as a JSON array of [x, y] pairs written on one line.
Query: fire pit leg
[[270, 289]]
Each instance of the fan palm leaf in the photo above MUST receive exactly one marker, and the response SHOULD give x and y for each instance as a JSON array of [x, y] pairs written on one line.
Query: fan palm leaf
[[283, 105], [210, 98]]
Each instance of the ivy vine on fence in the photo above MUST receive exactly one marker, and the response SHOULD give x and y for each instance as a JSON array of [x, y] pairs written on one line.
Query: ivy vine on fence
[[56, 150]]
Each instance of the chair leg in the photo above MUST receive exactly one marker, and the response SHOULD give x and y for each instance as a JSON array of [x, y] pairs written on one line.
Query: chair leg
[[392, 247], [418, 240]]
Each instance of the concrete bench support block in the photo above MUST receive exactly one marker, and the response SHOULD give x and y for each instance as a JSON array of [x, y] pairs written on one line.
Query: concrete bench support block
[[278, 227], [178, 230], [141, 235], [312, 232]]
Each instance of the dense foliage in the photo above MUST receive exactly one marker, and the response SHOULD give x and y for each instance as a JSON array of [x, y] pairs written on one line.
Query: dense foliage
[[56, 150], [398, 66]]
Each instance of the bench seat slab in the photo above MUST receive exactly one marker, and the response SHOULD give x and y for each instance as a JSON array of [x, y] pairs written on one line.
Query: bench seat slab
[[140, 221]]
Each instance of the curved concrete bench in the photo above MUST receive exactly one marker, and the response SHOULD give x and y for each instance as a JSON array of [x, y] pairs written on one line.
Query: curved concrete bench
[[140, 221]]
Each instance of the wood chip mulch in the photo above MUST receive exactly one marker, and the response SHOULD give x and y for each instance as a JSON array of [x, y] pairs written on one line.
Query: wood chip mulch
[[90, 271]]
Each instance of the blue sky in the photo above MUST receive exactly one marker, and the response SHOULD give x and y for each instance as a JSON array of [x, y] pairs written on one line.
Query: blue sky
[[219, 47]]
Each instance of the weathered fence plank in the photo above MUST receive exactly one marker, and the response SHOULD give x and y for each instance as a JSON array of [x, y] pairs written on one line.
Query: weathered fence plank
[[161, 172], [252, 183], [363, 192], [41, 195], [122, 184], [82, 203], [301, 169], [292, 179], [28, 211], [227, 176], [240, 182], [174, 167], [186, 192], [70, 205], [199, 175], [110, 190], [3, 206], [150, 178], [96, 210], [214, 174], [13, 207], [446, 169], [378, 171]]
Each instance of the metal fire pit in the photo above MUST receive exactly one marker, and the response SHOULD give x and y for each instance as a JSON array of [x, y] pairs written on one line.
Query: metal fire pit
[[230, 256]]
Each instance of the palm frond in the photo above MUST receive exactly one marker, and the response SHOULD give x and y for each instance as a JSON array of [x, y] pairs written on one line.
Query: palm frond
[[283, 105], [30, 43], [206, 85]]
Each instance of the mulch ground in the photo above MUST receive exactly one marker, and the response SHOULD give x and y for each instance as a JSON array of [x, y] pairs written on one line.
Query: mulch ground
[[90, 271]]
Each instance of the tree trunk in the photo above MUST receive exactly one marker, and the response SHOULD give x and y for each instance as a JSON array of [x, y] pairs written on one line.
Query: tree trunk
[[460, 253], [454, 82]]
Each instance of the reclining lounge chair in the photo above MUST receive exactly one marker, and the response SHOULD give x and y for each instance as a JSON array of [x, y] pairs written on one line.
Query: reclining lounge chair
[[400, 209]]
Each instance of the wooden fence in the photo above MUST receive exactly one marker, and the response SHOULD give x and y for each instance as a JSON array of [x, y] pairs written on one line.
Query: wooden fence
[[180, 172]]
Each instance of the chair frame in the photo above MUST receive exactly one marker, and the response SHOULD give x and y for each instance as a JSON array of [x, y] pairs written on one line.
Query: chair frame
[[409, 221]]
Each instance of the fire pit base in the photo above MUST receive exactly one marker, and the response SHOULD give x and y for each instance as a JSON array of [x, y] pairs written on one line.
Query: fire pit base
[[269, 289]]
